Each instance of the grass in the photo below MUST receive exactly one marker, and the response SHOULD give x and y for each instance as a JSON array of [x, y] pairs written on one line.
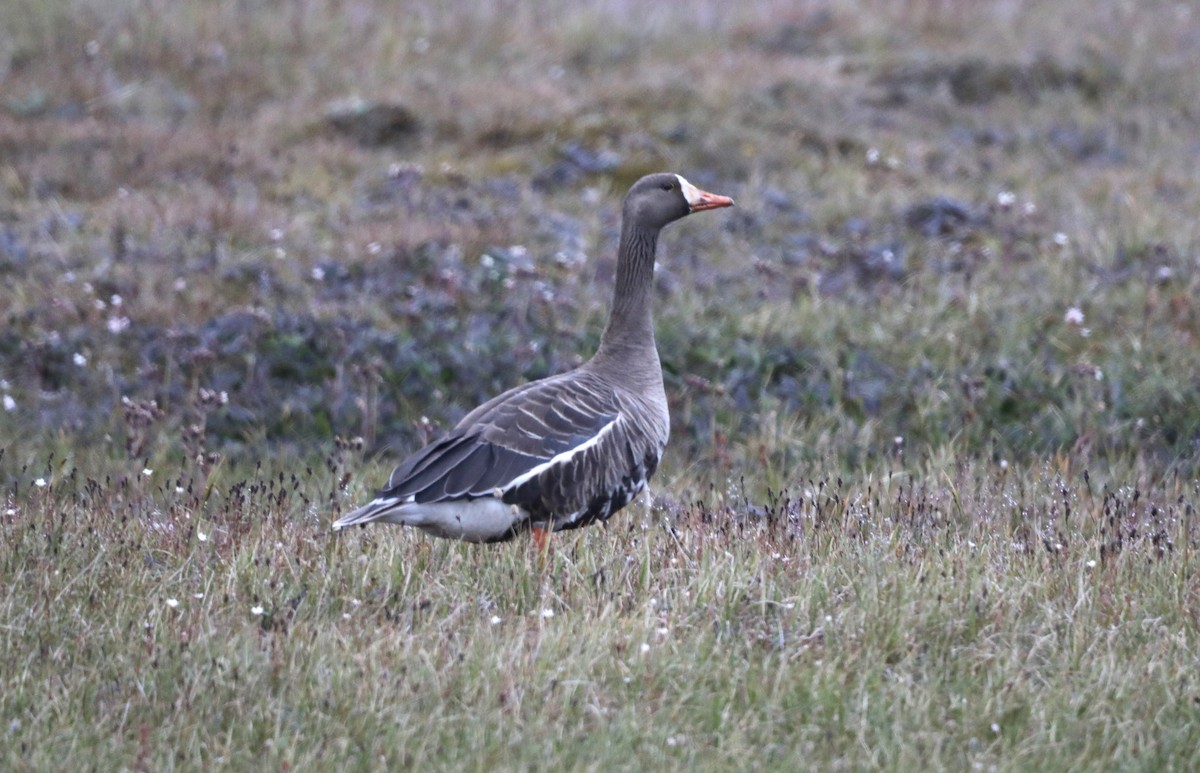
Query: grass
[[930, 496]]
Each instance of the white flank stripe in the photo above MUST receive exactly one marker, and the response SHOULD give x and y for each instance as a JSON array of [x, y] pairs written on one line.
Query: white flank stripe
[[562, 458]]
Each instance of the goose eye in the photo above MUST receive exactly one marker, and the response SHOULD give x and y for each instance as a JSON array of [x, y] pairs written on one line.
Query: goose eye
[[668, 186]]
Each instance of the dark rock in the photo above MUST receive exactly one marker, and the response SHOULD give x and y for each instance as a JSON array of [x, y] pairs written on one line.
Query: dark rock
[[373, 123], [940, 216]]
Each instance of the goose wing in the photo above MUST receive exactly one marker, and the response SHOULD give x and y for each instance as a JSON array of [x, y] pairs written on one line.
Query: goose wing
[[508, 442]]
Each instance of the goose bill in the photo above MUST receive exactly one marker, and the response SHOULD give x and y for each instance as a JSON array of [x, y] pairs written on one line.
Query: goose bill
[[699, 200]]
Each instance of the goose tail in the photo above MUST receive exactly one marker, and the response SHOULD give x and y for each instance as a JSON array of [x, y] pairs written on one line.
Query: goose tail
[[375, 510]]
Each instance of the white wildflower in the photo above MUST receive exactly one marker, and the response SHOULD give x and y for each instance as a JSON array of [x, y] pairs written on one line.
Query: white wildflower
[[1074, 316], [1061, 239], [172, 603], [547, 614], [147, 471], [202, 536], [1006, 199], [256, 610], [79, 360], [495, 620], [10, 404], [40, 483]]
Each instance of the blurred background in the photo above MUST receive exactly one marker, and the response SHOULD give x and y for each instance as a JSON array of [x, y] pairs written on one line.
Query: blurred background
[[963, 228]]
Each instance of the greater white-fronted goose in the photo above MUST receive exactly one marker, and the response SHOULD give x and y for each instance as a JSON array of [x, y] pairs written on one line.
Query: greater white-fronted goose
[[568, 450]]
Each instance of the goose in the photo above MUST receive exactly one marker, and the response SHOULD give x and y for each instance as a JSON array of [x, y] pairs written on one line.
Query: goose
[[568, 450]]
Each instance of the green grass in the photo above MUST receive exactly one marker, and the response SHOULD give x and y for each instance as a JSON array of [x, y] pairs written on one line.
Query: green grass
[[915, 514]]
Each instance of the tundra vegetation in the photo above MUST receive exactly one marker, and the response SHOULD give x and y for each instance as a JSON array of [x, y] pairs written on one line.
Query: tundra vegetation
[[930, 500]]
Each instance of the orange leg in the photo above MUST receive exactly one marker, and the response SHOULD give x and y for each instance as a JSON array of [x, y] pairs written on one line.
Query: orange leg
[[542, 538]]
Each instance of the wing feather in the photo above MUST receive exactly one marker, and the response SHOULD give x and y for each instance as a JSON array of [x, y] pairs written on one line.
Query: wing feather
[[505, 441]]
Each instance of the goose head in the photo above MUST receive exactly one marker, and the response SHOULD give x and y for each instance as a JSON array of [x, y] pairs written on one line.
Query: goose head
[[658, 199]]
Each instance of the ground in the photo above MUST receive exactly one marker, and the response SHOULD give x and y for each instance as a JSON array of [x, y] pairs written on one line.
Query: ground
[[930, 496]]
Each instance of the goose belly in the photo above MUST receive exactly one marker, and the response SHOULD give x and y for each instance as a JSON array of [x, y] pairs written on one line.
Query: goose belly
[[478, 520]]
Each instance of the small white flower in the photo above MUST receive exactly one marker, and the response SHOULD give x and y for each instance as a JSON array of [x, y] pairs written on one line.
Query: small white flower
[[318, 273], [116, 300], [172, 603], [872, 155], [1006, 198], [1074, 316], [1061, 239], [202, 536], [1091, 564], [547, 614], [180, 285], [645, 647], [40, 483], [147, 471], [898, 440], [197, 595], [9, 403], [996, 728], [345, 615], [117, 324], [495, 620], [79, 360], [1004, 464], [256, 610], [276, 234], [374, 248]]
